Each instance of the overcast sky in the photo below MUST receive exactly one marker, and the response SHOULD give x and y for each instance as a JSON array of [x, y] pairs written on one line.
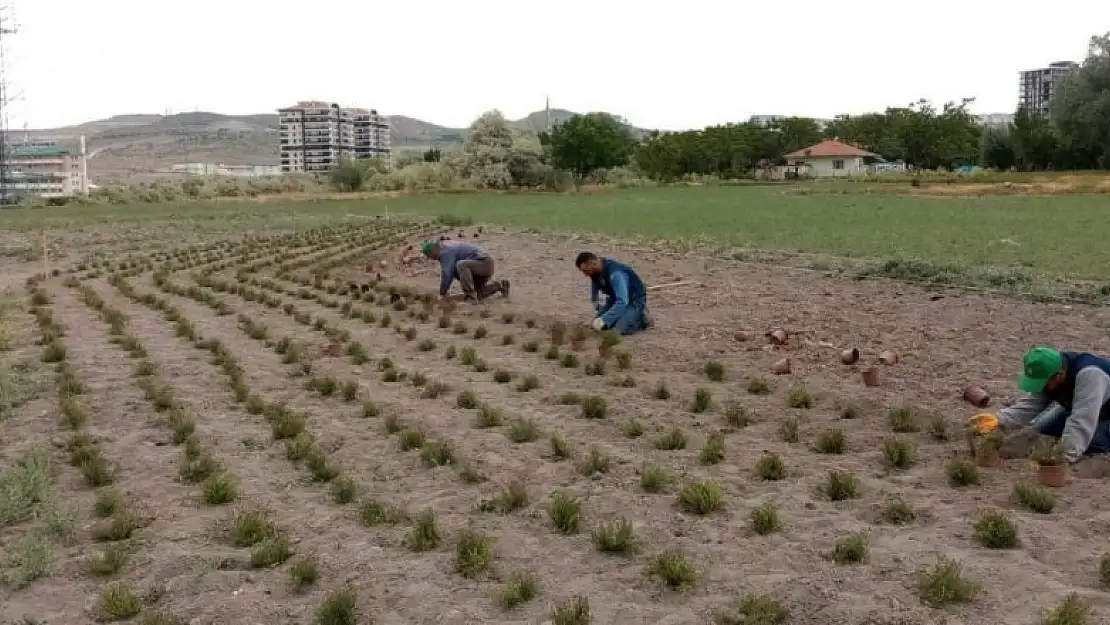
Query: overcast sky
[[677, 64]]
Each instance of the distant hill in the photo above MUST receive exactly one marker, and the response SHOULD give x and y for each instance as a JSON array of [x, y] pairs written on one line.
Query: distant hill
[[127, 146]]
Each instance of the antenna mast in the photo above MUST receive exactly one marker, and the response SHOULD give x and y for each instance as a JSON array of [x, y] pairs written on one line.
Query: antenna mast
[[7, 27]]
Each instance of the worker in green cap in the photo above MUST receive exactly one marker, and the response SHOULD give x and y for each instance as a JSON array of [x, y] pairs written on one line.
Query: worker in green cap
[[1065, 396], [471, 265]]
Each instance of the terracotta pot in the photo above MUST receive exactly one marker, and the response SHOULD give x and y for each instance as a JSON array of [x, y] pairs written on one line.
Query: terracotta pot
[[849, 356], [741, 336], [977, 396], [870, 376], [778, 337], [1053, 475], [781, 367], [578, 345], [889, 357], [334, 350], [987, 456]]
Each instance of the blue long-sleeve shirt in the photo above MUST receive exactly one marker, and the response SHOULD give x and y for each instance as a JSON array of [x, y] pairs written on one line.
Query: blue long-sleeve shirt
[[450, 253], [615, 307]]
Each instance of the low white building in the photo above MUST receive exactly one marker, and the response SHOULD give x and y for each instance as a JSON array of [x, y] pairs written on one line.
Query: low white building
[[831, 158]]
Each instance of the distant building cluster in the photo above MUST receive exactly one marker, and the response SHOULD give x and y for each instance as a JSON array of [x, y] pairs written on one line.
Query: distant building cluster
[[42, 169], [219, 169], [315, 137]]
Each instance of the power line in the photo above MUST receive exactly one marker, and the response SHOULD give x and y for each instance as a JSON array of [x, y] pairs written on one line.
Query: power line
[[7, 27]]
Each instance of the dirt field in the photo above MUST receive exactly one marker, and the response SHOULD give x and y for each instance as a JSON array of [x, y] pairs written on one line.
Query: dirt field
[[244, 408]]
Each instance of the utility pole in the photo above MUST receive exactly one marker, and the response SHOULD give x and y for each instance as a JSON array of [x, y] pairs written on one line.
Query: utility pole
[[7, 27]]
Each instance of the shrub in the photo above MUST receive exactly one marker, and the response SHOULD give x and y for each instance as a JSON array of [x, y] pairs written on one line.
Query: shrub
[[904, 420], [897, 512], [615, 537], [703, 399], [715, 371], [340, 607], [674, 569], [521, 587], [565, 513], [758, 386], [594, 462], [830, 442], [765, 519], [962, 472], [754, 609], [523, 430], [995, 530], [575, 611], [850, 549], [653, 479], [466, 400], [117, 602], [701, 498], [788, 431], [945, 583], [714, 449], [473, 554], [633, 428], [899, 453], [674, 439], [425, 534], [770, 467], [800, 397], [841, 485], [594, 407]]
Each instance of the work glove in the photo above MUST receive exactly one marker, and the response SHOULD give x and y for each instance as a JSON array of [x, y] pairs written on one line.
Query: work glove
[[983, 423], [597, 324]]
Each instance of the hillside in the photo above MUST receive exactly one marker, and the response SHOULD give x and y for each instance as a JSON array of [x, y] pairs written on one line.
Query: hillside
[[125, 146]]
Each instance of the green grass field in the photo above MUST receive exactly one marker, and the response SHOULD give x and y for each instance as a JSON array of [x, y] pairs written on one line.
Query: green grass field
[[1028, 238]]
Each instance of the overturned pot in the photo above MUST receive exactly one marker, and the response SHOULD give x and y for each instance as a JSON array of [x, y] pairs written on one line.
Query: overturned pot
[[888, 357], [334, 350], [740, 336], [781, 367], [849, 356], [778, 336], [870, 376], [977, 396]]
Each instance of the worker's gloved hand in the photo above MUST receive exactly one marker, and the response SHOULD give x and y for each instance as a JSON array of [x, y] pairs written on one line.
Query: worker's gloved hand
[[597, 324], [983, 423]]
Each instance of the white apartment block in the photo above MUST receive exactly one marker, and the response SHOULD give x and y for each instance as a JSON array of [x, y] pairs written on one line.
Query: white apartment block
[[317, 136]]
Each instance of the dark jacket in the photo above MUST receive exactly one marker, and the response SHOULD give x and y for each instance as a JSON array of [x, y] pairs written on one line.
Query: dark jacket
[[622, 287], [1076, 362], [450, 253]]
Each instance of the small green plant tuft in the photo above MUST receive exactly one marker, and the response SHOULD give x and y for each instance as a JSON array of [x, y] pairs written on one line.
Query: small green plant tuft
[[831, 442], [765, 519], [851, 549], [945, 584], [897, 512], [995, 530], [701, 498], [520, 588], [653, 478], [841, 485], [594, 407], [703, 400], [575, 611], [674, 568], [713, 451], [758, 386], [616, 536], [473, 554], [904, 420], [565, 512], [770, 467], [899, 453], [673, 440], [961, 472], [425, 534]]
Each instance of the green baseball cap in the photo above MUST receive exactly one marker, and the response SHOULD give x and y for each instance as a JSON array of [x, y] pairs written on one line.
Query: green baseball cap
[[426, 249], [1038, 366]]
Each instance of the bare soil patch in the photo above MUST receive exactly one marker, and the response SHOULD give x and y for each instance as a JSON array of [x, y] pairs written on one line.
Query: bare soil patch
[[411, 440]]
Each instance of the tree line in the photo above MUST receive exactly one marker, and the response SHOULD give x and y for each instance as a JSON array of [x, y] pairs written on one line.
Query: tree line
[[593, 146]]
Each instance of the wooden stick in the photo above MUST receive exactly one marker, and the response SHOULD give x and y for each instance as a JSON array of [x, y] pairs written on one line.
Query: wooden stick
[[668, 285], [45, 257]]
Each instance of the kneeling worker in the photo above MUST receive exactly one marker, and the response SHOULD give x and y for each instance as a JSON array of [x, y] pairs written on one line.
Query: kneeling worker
[[470, 264], [1067, 397], [625, 310]]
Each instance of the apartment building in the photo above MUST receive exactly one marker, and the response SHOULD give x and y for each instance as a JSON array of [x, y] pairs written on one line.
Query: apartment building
[[43, 169], [1037, 86], [315, 137]]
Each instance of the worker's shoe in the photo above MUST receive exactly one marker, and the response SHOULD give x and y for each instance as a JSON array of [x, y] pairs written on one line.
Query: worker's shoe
[[648, 320], [504, 288]]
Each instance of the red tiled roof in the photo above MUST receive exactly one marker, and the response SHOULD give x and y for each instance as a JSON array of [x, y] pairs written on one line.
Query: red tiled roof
[[830, 148]]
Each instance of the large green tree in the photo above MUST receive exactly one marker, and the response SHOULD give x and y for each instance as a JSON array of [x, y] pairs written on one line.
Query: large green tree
[[1081, 111], [587, 143]]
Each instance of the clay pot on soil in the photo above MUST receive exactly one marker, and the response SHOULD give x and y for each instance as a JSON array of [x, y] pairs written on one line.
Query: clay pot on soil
[[984, 448], [334, 350], [778, 336], [1053, 475], [740, 336], [977, 396], [870, 376], [849, 356], [558, 333], [604, 351], [889, 357], [781, 367]]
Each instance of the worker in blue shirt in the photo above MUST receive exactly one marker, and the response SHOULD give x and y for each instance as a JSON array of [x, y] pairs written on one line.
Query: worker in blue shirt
[[471, 265], [625, 309]]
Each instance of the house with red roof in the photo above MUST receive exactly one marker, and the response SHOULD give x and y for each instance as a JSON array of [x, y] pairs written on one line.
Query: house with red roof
[[832, 158]]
